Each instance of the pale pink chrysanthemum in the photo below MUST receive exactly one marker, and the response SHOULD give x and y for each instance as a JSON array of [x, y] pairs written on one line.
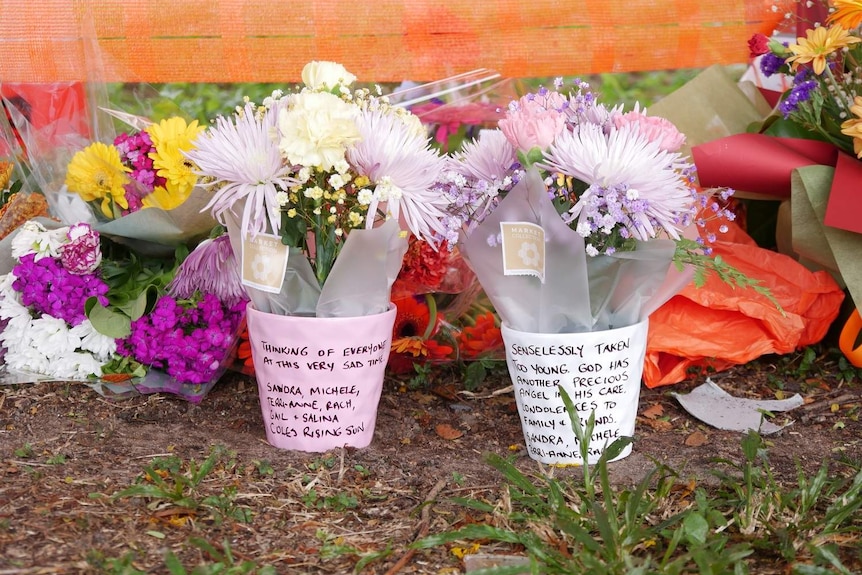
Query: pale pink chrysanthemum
[[489, 158], [398, 159], [241, 161], [212, 268], [650, 182]]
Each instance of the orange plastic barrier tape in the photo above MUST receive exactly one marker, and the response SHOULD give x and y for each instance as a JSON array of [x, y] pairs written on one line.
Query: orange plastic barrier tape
[[378, 40]]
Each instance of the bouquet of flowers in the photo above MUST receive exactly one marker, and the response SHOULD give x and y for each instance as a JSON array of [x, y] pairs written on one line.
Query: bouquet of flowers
[[71, 314], [142, 169], [443, 315], [569, 197], [43, 303], [134, 187], [824, 98], [319, 189]]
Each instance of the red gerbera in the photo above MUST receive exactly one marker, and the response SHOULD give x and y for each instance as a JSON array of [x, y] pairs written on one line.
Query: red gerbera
[[477, 340], [412, 318]]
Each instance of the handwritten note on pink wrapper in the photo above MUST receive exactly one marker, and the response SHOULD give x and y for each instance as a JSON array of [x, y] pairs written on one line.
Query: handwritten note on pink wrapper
[[319, 379]]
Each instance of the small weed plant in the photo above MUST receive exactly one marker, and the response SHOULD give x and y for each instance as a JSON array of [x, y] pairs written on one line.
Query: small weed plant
[[168, 481]]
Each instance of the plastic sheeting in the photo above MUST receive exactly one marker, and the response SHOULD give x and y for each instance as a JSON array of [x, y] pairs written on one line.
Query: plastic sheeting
[[381, 40]]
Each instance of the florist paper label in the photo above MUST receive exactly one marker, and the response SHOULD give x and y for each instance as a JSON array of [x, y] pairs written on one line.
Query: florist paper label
[[523, 249], [264, 262]]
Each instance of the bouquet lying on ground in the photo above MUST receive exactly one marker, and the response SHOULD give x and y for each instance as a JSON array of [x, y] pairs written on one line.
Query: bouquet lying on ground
[[71, 314], [564, 208], [319, 189]]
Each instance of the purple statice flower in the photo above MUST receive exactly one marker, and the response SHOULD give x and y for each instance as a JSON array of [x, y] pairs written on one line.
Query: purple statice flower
[[210, 268], [188, 339], [770, 64], [801, 92], [83, 253], [50, 289]]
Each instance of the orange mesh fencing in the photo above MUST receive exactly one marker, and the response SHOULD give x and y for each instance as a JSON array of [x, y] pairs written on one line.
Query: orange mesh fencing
[[378, 40]]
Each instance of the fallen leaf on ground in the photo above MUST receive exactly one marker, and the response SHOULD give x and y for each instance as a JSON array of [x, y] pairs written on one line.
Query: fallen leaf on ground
[[654, 411], [696, 439], [656, 424], [446, 431], [446, 391]]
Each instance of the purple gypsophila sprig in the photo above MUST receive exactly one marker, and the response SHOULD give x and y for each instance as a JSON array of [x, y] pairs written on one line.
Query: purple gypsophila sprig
[[47, 287], [189, 339]]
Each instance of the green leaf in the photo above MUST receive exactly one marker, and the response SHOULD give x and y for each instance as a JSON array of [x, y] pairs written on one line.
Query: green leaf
[[470, 532], [173, 564], [696, 528], [107, 322], [474, 375], [293, 231]]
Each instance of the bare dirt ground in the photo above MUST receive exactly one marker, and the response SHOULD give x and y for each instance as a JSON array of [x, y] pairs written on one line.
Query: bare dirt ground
[[65, 451]]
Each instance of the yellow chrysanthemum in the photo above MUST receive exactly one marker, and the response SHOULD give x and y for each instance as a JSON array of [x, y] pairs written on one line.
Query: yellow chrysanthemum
[[96, 173], [171, 138], [819, 43], [848, 13], [853, 127]]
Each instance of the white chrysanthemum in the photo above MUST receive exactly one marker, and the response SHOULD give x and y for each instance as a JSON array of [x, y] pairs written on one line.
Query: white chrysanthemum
[[621, 160], [316, 129], [392, 154], [76, 365], [28, 359], [100, 345], [243, 164], [33, 237], [54, 335]]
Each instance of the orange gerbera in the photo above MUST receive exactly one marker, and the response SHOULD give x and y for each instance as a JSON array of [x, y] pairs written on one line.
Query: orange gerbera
[[408, 333], [848, 13], [482, 338], [243, 352]]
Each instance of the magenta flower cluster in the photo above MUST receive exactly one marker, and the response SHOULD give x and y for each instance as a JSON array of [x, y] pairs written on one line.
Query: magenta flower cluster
[[50, 289], [189, 339], [135, 154]]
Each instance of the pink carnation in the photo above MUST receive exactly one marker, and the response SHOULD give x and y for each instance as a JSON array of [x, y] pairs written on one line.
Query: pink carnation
[[83, 254], [655, 128], [535, 120]]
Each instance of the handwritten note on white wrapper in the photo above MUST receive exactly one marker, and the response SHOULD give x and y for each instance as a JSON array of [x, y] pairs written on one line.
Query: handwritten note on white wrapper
[[601, 371]]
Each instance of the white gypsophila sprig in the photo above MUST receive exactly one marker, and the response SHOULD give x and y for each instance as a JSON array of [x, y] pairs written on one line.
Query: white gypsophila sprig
[[242, 163], [631, 179], [404, 168]]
